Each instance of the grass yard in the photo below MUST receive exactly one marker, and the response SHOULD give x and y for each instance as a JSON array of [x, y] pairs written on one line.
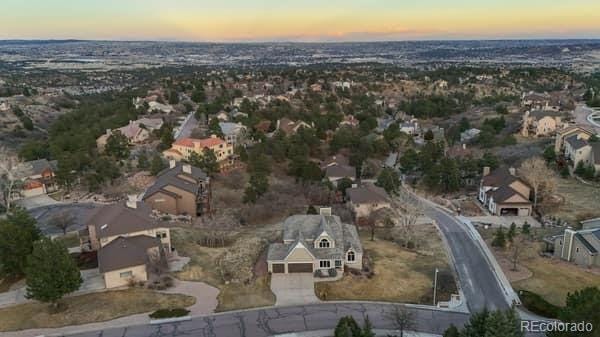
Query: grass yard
[[95, 307], [400, 275], [70, 240], [203, 267], [550, 278], [580, 200]]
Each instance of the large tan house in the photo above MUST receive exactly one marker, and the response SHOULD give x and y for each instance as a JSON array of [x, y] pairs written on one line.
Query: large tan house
[[183, 148], [122, 234], [136, 132], [502, 193], [365, 199], [319, 244], [539, 123], [182, 189]]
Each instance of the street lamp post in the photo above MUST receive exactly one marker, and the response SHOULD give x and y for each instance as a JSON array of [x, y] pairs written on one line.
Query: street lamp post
[[435, 286]]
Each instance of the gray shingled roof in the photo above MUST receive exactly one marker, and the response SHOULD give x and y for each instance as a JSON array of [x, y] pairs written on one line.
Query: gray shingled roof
[[124, 252], [586, 243], [367, 194], [307, 228], [575, 142], [118, 219], [170, 177], [35, 167], [335, 171]]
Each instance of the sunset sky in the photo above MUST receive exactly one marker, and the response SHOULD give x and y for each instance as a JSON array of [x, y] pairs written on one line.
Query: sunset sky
[[300, 20]]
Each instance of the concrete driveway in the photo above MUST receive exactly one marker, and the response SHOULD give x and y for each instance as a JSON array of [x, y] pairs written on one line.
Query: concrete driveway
[[293, 289], [37, 201]]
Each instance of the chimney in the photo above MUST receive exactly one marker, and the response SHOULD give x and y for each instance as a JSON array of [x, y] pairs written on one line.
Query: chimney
[[131, 201], [213, 136], [512, 171], [108, 132], [486, 171], [464, 146], [172, 163], [325, 211], [187, 168]]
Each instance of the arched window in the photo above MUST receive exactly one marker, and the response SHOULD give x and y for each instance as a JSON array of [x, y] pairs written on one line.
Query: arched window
[[351, 257], [324, 243]]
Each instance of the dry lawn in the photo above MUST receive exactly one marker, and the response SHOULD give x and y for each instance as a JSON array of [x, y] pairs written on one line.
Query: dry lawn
[[203, 267], [96, 307], [580, 201], [550, 278], [400, 275]]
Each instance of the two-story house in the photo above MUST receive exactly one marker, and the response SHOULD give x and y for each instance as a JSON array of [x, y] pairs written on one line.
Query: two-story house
[[540, 123], [580, 247], [316, 243], [182, 149], [181, 189], [36, 178], [234, 133], [365, 199], [502, 193], [127, 239]]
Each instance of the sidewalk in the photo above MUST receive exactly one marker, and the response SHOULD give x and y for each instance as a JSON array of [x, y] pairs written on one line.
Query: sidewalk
[[378, 332]]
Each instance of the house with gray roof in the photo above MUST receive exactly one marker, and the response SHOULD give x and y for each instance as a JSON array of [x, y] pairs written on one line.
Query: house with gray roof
[[579, 247], [181, 189], [316, 243], [503, 193], [366, 199], [234, 133], [127, 259]]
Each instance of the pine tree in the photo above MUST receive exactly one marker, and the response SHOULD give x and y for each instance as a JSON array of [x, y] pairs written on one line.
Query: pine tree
[[499, 239], [51, 272], [17, 235]]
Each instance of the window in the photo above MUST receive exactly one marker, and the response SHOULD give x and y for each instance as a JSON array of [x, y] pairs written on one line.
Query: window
[[126, 274], [324, 264], [351, 257], [338, 263], [560, 242], [161, 235], [324, 243]]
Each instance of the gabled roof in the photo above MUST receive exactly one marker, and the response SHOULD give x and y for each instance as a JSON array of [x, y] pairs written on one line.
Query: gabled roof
[[125, 252], [34, 167], [335, 171], [171, 176], [367, 194], [584, 241], [118, 219], [576, 142], [306, 229], [499, 177], [502, 194]]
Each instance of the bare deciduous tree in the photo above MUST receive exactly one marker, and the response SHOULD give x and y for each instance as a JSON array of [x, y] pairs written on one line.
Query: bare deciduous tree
[[409, 211], [402, 319], [62, 221], [8, 178], [516, 251], [537, 174]]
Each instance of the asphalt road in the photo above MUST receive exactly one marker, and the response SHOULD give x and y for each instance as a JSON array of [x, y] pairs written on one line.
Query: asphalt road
[[274, 321], [476, 277]]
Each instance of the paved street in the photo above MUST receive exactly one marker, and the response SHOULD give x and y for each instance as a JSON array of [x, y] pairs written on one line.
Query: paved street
[[476, 276], [273, 321]]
